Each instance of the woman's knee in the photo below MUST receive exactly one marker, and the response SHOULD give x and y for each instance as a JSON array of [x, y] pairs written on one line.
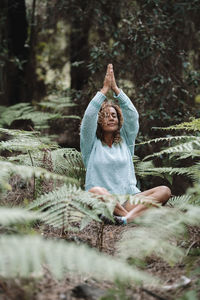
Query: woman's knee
[[98, 190], [165, 193]]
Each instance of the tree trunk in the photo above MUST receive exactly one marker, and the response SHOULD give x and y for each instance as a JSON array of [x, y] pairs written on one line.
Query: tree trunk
[[13, 35], [79, 52]]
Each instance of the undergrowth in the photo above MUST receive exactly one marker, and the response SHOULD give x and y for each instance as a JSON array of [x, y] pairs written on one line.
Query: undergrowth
[[37, 159]]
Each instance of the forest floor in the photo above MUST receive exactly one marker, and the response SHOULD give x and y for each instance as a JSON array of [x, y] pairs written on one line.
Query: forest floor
[[80, 287]]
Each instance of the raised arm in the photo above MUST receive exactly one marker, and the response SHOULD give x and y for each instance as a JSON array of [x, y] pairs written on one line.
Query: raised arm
[[89, 126], [131, 120], [90, 118], [131, 125]]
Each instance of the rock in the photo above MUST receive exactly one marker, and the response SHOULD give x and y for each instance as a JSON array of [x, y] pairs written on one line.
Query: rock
[[88, 292]]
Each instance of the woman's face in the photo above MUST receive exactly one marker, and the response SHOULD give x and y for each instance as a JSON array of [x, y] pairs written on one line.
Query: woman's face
[[110, 120]]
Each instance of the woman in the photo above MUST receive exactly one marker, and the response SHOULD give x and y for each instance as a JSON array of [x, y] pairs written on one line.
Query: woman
[[108, 133]]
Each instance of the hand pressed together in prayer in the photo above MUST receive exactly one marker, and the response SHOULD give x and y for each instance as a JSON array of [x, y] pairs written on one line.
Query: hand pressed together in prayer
[[109, 81]]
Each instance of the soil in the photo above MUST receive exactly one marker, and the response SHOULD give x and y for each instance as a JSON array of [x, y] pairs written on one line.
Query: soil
[[79, 287]]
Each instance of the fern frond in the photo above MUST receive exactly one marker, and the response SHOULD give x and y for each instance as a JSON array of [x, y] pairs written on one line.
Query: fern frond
[[196, 172], [56, 103], [59, 104], [194, 191], [24, 145], [24, 256], [27, 111], [41, 119], [193, 125], [178, 201], [142, 167], [171, 171], [158, 233], [18, 133], [170, 139], [15, 215], [70, 204], [28, 172], [188, 148], [25, 141], [68, 161], [146, 168], [14, 112], [24, 159]]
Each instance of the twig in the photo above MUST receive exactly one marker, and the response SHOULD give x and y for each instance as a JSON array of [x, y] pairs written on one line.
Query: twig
[[188, 250], [153, 294], [34, 173], [99, 243], [63, 224]]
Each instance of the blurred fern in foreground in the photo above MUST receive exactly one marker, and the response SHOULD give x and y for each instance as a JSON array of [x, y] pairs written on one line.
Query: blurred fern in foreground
[[26, 255]]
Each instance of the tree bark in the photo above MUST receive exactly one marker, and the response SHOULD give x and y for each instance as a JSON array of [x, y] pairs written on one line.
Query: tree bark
[[13, 35]]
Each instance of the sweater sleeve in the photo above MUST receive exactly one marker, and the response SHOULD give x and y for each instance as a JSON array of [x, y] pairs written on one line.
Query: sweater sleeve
[[130, 126], [89, 126]]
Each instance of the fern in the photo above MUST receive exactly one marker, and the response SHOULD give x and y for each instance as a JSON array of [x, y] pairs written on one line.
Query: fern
[[68, 161], [193, 125], [23, 145], [184, 148], [36, 159], [15, 215], [23, 141], [27, 111], [68, 205], [7, 168], [158, 232], [57, 104], [144, 169], [18, 133], [13, 112], [194, 193], [25, 256], [169, 138], [178, 201]]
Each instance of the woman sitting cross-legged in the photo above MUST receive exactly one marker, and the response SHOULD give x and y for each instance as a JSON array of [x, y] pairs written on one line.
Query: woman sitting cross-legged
[[108, 133]]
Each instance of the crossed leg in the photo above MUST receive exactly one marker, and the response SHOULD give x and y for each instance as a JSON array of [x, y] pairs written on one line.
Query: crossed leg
[[159, 194]]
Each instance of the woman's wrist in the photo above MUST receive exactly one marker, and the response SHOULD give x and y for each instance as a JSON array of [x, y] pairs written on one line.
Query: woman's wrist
[[104, 90], [116, 90]]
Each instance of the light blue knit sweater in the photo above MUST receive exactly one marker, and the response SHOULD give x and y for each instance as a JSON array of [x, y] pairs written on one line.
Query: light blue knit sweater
[[110, 167]]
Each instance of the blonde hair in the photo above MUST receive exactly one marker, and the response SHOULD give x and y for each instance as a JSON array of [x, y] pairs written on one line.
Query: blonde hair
[[117, 138]]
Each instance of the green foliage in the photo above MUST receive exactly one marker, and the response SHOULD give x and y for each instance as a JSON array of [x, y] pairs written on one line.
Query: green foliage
[[157, 233], [24, 256], [26, 172], [177, 150], [182, 150], [57, 104], [69, 206], [9, 216], [190, 295], [68, 162], [25, 111], [56, 108], [178, 201], [162, 73], [24, 141], [193, 125]]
